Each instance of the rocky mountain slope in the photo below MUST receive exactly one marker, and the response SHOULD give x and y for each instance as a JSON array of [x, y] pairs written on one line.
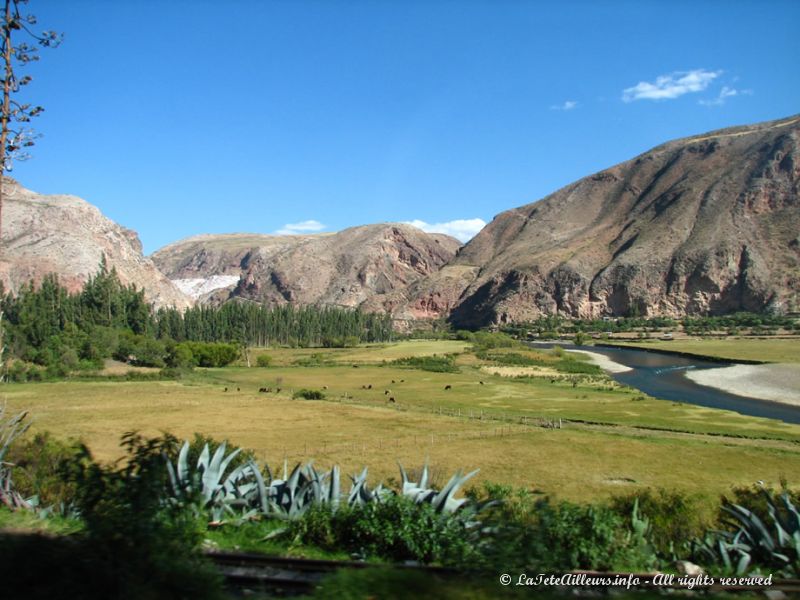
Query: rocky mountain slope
[[703, 225], [68, 236], [360, 266]]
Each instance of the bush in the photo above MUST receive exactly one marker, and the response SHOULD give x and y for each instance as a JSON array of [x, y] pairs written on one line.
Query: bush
[[396, 529], [37, 468], [263, 360], [564, 536], [436, 364], [574, 366], [141, 545], [345, 341], [210, 354], [675, 517], [514, 359], [309, 394]]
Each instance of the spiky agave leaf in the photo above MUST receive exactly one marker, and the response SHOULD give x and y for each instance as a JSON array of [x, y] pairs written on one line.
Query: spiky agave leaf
[[444, 502]]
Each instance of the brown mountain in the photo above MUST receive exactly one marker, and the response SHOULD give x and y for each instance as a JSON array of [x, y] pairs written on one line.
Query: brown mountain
[[68, 236], [703, 225], [360, 266]]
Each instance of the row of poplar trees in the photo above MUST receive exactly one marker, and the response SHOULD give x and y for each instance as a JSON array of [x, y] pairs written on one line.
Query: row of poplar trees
[[37, 314]]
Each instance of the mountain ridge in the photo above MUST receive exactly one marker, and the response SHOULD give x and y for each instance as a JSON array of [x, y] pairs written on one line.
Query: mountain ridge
[[699, 225]]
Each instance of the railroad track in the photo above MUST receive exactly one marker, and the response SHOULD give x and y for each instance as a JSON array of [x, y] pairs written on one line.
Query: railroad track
[[280, 576], [283, 576]]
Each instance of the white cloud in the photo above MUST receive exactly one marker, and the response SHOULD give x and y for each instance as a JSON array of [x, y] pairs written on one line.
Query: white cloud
[[568, 105], [461, 229], [724, 93], [668, 87], [309, 226]]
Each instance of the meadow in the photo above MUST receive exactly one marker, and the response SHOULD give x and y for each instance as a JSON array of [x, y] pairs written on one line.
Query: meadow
[[777, 350], [611, 439]]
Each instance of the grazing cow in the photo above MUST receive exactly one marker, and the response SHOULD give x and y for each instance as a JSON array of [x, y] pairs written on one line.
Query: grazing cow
[[391, 399], [369, 387], [402, 381], [225, 390], [448, 387], [278, 390], [392, 380], [480, 382], [355, 366], [262, 390], [324, 387], [386, 392]]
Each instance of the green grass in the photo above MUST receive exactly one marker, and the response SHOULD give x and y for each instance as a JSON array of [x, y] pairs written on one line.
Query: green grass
[[356, 426], [780, 350]]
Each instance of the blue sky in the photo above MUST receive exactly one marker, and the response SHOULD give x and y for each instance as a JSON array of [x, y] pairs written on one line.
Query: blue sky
[[180, 117]]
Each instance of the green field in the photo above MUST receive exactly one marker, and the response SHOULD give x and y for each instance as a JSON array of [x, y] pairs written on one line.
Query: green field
[[781, 350], [613, 439]]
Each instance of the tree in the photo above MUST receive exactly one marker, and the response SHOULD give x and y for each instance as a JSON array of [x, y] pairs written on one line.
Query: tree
[[15, 136]]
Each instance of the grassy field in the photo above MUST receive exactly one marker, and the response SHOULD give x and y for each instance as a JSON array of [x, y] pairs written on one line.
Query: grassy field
[[780, 350], [642, 441]]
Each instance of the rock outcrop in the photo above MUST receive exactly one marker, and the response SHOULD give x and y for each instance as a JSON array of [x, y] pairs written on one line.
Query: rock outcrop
[[703, 225], [68, 236]]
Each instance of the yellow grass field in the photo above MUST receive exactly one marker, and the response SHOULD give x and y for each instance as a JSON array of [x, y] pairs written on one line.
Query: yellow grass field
[[780, 350], [705, 451]]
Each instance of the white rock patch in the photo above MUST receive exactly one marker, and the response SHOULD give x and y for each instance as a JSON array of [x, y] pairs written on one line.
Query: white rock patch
[[200, 286]]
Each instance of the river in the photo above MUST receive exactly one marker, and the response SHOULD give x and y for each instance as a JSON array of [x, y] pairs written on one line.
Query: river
[[663, 375]]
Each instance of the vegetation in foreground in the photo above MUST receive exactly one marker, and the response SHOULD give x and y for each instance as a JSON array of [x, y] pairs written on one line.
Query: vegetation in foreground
[[143, 521]]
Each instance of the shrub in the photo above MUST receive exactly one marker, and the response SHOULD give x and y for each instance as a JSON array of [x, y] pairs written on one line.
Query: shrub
[[436, 364], [396, 529], [675, 517], [263, 360], [141, 545], [309, 394], [574, 366], [37, 468], [209, 354]]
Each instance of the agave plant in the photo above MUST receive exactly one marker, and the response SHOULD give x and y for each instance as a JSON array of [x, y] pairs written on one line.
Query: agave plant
[[291, 496], [360, 494], [10, 429], [208, 484], [443, 501], [754, 544]]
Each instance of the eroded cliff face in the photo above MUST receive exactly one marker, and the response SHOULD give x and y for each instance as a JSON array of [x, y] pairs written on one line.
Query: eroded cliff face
[[703, 225], [362, 266], [68, 236]]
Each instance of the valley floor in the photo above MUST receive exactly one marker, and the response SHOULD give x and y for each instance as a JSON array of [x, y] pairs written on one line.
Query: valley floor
[[611, 438]]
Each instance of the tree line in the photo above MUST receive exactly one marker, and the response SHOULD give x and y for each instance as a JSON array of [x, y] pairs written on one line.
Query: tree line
[[50, 331]]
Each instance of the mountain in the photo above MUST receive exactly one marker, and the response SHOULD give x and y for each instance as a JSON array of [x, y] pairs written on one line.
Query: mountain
[[360, 266], [68, 236], [703, 225], [209, 266]]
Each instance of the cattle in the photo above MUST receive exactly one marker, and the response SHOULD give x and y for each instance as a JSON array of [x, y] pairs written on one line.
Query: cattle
[[278, 390], [238, 390], [324, 387], [448, 387], [225, 390], [262, 390], [392, 380], [386, 392], [369, 386], [480, 382], [391, 399]]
